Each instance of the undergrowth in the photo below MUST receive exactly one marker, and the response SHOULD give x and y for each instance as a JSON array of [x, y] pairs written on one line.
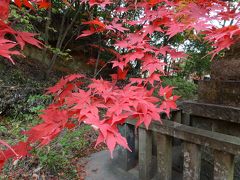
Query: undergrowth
[[58, 159]]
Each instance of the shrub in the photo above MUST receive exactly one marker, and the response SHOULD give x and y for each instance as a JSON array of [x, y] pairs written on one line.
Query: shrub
[[183, 88]]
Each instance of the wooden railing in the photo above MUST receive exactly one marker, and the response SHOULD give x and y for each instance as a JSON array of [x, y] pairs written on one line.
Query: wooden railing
[[224, 148]]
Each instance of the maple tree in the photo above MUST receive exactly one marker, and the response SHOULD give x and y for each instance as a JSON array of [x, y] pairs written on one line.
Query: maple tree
[[104, 104]]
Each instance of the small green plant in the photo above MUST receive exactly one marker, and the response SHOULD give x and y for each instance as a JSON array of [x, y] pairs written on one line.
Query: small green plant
[[183, 88], [62, 54], [38, 102], [57, 157], [23, 20], [3, 129], [23, 116]]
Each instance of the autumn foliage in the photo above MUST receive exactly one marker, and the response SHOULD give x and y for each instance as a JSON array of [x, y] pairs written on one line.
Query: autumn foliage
[[105, 104]]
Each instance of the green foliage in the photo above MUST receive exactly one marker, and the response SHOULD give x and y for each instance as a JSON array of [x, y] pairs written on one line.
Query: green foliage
[[24, 116], [72, 140], [183, 88], [38, 102], [198, 61], [27, 111], [62, 54], [23, 20], [57, 157], [3, 129]]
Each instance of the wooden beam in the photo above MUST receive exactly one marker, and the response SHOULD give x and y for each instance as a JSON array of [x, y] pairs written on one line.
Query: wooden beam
[[212, 111], [198, 136]]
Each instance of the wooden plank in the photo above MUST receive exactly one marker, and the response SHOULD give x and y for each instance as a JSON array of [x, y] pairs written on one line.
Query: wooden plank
[[126, 159], [164, 156], [223, 166], [145, 154], [198, 136], [192, 161]]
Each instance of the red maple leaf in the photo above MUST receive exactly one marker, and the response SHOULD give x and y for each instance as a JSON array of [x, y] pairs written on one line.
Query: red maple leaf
[[44, 4], [96, 22], [111, 137], [119, 64], [166, 92], [5, 49], [29, 3], [117, 26], [137, 54], [60, 85], [4, 6], [26, 37], [121, 74], [51, 127], [101, 3], [152, 64]]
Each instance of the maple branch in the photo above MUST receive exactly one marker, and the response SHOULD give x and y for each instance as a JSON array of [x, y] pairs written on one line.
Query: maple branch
[[62, 37], [77, 31], [98, 57], [47, 25], [102, 68]]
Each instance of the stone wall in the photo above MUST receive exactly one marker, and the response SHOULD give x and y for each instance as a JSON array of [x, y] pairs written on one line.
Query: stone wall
[[78, 63], [228, 67]]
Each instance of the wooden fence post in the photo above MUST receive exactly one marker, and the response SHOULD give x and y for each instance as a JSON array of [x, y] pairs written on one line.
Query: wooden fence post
[[145, 154], [126, 159], [177, 116], [223, 166], [192, 161], [164, 156], [186, 119]]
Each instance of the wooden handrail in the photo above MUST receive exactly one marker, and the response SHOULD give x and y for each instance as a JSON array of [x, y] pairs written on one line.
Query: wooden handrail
[[212, 111], [224, 147], [218, 141]]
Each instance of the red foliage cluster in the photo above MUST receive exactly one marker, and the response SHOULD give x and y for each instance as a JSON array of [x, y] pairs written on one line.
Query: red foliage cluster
[[103, 104], [21, 38]]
